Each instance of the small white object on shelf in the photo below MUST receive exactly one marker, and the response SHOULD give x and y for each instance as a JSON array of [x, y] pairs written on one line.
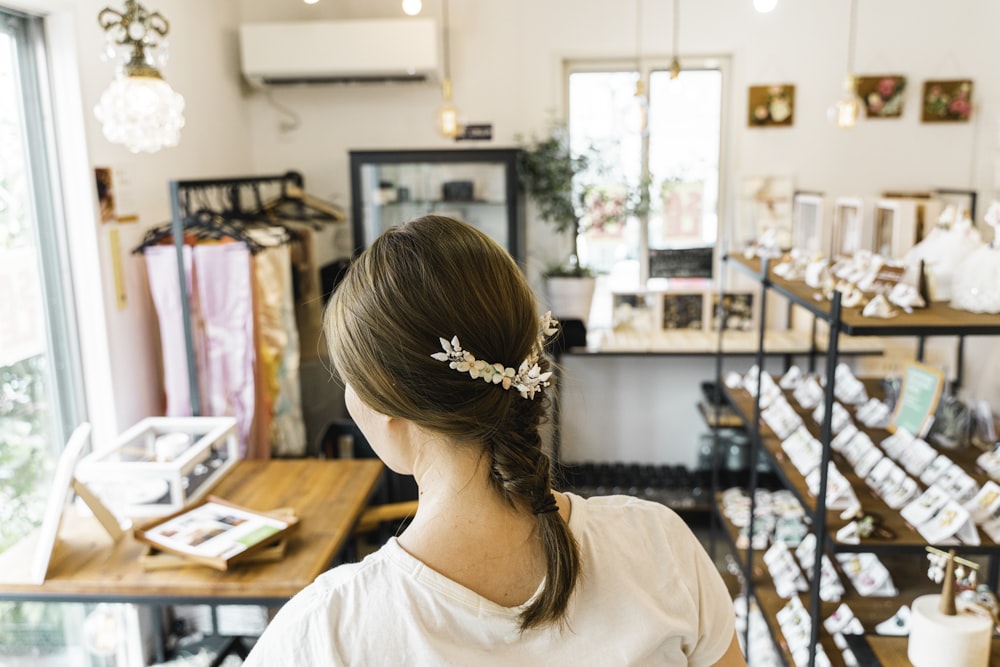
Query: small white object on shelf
[[936, 639]]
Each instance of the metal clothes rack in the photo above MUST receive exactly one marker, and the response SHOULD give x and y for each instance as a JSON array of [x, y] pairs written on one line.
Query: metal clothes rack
[[180, 193]]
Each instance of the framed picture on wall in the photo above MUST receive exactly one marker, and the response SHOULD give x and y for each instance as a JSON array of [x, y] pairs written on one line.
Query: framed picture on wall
[[882, 95], [633, 310], [737, 311], [947, 101], [683, 311], [848, 229], [771, 106], [808, 224]]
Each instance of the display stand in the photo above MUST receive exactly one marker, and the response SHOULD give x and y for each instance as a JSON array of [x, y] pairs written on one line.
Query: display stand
[[64, 482], [936, 320]]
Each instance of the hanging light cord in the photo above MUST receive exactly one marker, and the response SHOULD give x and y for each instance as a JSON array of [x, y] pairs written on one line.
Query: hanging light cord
[[638, 36], [447, 38], [851, 37], [677, 25]]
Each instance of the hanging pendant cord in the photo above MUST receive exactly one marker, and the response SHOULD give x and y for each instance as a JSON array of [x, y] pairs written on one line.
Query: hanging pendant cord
[[447, 39], [638, 36], [851, 37], [677, 25]]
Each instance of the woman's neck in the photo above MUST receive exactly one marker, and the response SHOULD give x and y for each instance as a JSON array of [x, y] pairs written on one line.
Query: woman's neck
[[466, 531]]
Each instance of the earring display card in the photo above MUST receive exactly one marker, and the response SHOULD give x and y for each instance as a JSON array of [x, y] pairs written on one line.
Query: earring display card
[[951, 521]]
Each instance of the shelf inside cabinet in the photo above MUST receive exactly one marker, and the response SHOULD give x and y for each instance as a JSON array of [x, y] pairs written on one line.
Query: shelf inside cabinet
[[937, 319]]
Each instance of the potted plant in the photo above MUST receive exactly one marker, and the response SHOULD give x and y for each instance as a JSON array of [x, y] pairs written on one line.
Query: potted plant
[[548, 169]]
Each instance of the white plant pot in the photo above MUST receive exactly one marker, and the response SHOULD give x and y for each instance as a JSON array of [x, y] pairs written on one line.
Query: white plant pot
[[570, 298]]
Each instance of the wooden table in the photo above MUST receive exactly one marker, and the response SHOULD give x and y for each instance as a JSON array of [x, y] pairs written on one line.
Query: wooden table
[[878, 651], [328, 496]]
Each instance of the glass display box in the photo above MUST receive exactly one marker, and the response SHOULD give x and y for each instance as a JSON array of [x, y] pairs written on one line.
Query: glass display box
[[477, 186], [161, 464]]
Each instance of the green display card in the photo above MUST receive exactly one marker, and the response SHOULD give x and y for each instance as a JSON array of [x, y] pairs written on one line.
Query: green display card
[[918, 399]]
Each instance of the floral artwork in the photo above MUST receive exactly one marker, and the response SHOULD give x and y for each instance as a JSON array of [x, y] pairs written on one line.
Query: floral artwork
[[771, 106], [947, 101], [882, 95], [605, 209]]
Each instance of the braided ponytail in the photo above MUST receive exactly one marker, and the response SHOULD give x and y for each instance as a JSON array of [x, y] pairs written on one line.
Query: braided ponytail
[[521, 472]]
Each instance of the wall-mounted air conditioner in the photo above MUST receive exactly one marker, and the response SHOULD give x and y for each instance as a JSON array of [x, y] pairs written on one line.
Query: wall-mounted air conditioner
[[310, 52]]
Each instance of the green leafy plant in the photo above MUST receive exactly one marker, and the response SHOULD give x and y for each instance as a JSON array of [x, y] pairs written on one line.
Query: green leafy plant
[[547, 169]]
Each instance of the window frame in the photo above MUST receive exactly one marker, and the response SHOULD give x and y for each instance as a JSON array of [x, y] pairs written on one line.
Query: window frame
[[646, 66]]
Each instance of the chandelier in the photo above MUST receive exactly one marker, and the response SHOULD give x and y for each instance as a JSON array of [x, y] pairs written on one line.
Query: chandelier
[[139, 109]]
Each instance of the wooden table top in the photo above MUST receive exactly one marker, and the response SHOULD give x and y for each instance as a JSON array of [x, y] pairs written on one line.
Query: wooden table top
[[326, 495]]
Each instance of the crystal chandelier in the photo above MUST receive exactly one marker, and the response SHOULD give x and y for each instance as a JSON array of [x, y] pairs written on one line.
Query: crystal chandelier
[[139, 109]]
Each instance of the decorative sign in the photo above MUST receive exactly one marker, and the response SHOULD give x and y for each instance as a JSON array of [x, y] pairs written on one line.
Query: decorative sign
[[477, 132], [681, 262], [918, 399]]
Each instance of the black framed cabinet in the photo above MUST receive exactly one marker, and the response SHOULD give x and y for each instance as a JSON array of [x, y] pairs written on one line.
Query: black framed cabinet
[[477, 186]]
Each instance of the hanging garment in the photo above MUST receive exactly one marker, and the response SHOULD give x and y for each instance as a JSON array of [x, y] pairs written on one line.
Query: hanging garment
[[278, 347], [222, 283], [161, 267], [308, 298]]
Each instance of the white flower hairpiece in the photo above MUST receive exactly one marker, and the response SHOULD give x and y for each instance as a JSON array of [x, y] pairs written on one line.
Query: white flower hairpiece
[[528, 379]]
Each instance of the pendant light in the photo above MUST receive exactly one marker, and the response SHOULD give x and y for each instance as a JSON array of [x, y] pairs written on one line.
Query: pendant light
[[139, 109], [848, 107], [765, 6], [675, 63], [637, 119], [447, 115], [412, 7]]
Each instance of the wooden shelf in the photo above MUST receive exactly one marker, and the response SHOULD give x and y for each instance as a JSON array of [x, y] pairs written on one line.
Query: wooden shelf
[[694, 342], [907, 574], [907, 538], [891, 651], [937, 319]]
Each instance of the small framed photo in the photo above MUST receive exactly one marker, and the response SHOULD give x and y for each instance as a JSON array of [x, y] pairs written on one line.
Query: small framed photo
[[771, 106], [882, 95], [737, 311], [683, 311], [808, 223], [947, 101], [633, 310], [848, 228]]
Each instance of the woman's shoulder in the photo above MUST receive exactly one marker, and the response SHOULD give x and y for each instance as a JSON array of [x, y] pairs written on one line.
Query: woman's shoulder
[[612, 510]]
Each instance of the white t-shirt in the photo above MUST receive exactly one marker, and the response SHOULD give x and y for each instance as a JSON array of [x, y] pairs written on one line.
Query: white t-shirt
[[649, 595]]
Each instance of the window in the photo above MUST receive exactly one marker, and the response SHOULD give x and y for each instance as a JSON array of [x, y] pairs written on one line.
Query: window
[[677, 161], [40, 388]]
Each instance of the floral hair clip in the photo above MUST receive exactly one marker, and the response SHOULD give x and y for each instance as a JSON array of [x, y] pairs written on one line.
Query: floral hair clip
[[528, 379]]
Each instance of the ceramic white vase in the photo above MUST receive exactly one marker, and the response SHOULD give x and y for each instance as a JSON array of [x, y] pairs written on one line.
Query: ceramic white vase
[[570, 298]]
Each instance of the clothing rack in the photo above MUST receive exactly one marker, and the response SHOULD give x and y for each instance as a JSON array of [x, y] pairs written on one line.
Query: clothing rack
[[180, 192]]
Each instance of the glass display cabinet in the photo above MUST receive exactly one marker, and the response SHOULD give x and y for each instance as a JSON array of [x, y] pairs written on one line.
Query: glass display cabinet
[[477, 186]]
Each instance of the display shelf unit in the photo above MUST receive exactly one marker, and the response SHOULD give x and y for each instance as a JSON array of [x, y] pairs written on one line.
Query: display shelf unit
[[477, 186], [937, 319], [908, 576]]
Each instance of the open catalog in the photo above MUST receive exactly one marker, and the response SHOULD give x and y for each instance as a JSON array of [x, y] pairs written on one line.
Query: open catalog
[[216, 533]]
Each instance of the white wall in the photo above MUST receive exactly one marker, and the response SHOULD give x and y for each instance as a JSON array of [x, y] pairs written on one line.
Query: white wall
[[507, 67]]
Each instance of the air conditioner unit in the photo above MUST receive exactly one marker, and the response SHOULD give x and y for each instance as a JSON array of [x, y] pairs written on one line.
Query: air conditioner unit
[[365, 50]]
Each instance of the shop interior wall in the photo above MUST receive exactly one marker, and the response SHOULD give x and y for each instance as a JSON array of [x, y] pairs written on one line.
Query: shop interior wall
[[507, 68]]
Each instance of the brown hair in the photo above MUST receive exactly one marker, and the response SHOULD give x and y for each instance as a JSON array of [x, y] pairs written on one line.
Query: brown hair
[[433, 278]]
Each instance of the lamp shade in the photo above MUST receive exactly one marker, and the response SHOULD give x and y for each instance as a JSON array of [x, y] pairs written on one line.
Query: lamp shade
[[143, 113]]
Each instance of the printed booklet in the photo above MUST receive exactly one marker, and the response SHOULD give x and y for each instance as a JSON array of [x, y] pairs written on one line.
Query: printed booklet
[[215, 532]]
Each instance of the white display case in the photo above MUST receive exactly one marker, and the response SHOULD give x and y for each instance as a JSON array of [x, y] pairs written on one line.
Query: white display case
[[161, 464]]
